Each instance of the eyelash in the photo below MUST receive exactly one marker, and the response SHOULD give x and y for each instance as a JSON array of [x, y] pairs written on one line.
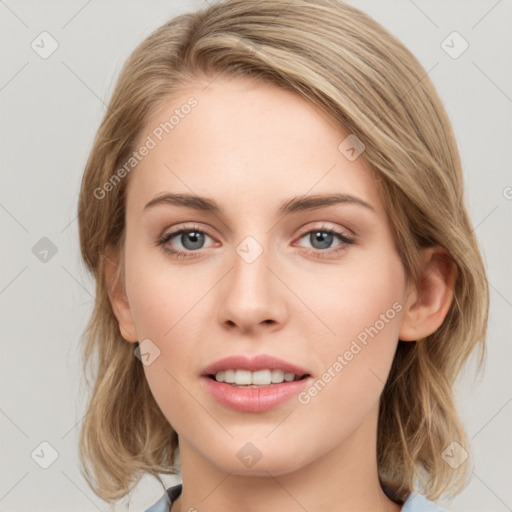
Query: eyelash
[[316, 252]]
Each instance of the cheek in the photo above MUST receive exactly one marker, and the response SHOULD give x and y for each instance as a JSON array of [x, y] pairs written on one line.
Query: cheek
[[362, 305], [169, 316], [354, 297], [162, 297]]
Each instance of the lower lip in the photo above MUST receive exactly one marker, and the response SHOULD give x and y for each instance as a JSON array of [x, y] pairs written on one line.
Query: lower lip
[[254, 399]]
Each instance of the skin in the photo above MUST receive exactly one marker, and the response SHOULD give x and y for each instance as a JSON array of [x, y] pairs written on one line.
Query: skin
[[250, 147]]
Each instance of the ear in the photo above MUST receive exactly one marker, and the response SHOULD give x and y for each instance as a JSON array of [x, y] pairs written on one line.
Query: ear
[[429, 301], [117, 295]]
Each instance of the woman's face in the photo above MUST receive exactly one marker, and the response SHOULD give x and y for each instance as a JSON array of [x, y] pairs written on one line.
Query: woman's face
[[286, 261]]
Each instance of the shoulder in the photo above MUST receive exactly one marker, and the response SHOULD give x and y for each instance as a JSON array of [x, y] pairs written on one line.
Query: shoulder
[[165, 502], [418, 503]]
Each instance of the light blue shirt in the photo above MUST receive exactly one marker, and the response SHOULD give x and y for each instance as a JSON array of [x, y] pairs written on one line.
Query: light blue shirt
[[414, 503]]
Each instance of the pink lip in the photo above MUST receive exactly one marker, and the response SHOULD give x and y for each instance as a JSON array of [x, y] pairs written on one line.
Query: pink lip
[[254, 363], [253, 399]]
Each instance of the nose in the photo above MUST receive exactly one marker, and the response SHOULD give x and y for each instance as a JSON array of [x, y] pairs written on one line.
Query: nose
[[252, 297]]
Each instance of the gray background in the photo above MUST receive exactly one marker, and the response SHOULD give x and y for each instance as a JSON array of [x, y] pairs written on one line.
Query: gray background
[[51, 109]]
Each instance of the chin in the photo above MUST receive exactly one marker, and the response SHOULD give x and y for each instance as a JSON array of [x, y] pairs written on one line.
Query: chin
[[258, 459]]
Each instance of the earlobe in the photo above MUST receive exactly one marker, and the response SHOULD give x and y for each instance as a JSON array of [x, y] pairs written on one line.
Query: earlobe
[[429, 301], [117, 295]]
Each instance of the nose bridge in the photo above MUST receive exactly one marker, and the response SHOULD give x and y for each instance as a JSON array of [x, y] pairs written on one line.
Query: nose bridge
[[251, 295]]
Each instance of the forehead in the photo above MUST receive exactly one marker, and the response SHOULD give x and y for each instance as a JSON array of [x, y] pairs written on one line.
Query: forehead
[[247, 143]]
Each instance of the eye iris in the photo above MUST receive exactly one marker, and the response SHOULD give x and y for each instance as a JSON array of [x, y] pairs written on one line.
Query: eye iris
[[324, 238], [192, 240]]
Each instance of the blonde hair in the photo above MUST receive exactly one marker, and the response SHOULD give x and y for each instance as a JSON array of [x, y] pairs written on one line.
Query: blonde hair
[[370, 85]]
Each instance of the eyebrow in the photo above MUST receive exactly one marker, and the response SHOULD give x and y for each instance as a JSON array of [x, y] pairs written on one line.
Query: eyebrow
[[293, 205]]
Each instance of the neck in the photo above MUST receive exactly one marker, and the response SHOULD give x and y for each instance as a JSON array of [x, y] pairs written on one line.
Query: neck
[[343, 479]]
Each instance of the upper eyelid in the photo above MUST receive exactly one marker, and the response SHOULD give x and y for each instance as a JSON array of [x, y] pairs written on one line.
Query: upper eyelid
[[305, 229], [326, 227], [341, 232]]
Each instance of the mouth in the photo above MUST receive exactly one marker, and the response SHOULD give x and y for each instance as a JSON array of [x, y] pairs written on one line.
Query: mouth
[[255, 370], [254, 383], [255, 379]]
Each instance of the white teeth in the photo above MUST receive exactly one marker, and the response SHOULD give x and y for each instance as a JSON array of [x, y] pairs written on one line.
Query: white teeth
[[261, 377], [258, 378], [277, 376], [229, 376], [243, 377]]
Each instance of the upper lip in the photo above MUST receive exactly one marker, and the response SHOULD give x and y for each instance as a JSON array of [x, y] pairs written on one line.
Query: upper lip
[[253, 364]]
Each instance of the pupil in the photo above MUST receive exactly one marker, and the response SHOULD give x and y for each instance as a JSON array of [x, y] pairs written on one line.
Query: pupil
[[192, 240], [325, 239]]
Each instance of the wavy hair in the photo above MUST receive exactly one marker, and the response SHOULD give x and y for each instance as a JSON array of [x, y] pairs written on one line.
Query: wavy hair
[[341, 60]]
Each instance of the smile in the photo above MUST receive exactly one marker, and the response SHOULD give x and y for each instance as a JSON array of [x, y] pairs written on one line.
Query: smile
[[258, 378], [254, 383]]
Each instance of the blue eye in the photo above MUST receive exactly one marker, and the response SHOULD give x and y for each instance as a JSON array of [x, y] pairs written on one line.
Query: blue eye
[[321, 240], [324, 238], [192, 240]]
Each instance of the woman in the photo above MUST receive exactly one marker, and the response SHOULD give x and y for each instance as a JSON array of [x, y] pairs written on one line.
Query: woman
[[288, 282]]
